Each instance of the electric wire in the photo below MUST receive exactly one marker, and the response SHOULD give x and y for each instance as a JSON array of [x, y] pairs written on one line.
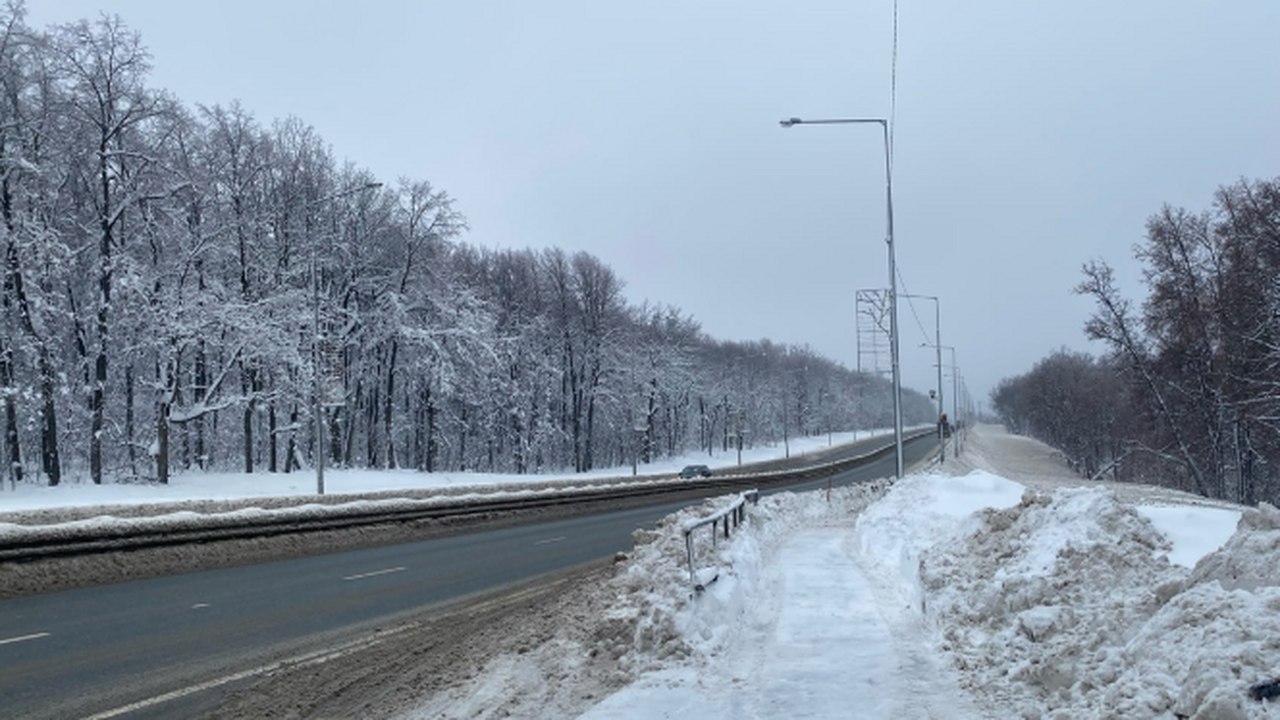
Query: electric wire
[[902, 283]]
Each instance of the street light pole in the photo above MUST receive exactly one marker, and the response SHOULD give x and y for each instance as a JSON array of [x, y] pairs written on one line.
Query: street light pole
[[955, 395], [893, 269], [954, 420], [937, 344], [315, 369]]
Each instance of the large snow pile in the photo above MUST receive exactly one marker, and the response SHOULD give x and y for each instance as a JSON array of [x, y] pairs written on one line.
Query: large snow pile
[[1067, 606]]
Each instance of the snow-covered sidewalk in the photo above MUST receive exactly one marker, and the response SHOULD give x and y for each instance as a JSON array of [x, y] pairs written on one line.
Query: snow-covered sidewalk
[[814, 644]]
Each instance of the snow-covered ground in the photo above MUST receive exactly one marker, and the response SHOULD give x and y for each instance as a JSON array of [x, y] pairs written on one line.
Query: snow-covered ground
[[955, 593], [205, 486]]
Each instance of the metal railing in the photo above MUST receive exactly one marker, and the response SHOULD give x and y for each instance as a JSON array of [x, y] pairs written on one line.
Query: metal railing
[[734, 513]]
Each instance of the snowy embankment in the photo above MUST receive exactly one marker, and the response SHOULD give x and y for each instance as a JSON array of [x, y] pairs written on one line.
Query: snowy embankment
[[940, 596]]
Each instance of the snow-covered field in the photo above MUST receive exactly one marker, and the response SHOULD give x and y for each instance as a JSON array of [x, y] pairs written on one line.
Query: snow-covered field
[[955, 593]]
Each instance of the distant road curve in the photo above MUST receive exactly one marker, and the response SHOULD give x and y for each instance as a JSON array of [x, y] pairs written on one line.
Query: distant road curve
[[169, 646]]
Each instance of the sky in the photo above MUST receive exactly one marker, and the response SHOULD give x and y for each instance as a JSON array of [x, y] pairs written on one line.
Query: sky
[[1028, 139]]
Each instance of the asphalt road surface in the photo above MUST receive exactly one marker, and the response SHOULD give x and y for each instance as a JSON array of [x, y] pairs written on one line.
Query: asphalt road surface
[[143, 649]]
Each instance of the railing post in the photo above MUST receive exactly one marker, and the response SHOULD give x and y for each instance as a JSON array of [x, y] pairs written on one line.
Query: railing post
[[733, 516], [688, 547]]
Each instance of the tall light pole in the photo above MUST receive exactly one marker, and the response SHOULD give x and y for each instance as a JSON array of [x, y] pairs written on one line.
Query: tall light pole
[[317, 387], [893, 268], [937, 344], [955, 393]]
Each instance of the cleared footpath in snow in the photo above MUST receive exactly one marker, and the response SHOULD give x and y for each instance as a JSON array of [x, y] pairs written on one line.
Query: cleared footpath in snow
[[815, 645], [809, 619]]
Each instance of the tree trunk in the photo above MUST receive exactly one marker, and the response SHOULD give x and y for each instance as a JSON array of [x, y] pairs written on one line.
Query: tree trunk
[[162, 444], [588, 461], [97, 401], [130, 431], [50, 461], [10, 414], [201, 392], [16, 284], [6, 351], [291, 454], [273, 454], [247, 387], [371, 412], [430, 428], [337, 441], [167, 380], [388, 405]]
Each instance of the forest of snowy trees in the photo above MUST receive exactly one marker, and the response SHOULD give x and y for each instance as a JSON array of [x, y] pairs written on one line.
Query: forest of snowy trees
[[1188, 394], [180, 284]]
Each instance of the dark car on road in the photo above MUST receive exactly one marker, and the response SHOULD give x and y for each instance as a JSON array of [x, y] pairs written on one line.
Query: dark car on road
[[692, 471]]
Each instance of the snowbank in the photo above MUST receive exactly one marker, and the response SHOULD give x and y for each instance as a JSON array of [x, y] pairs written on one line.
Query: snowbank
[[920, 513], [1067, 606], [1048, 605]]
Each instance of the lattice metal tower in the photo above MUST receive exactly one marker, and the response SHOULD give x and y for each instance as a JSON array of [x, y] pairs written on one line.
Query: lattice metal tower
[[874, 353]]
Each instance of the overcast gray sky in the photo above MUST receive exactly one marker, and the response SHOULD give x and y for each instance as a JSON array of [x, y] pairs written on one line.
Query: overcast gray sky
[[1029, 138]]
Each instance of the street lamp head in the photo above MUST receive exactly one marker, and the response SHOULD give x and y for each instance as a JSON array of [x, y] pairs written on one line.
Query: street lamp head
[[790, 121]]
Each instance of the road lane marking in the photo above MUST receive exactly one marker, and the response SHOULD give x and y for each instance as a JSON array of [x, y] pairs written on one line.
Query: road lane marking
[[23, 638], [299, 661], [551, 540], [375, 573], [324, 655], [199, 606]]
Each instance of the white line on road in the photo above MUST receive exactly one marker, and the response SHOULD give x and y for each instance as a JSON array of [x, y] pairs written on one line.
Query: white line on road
[[317, 656], [550, 540], [306, 659], [199, 606], [375, 573], [24, 638]]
